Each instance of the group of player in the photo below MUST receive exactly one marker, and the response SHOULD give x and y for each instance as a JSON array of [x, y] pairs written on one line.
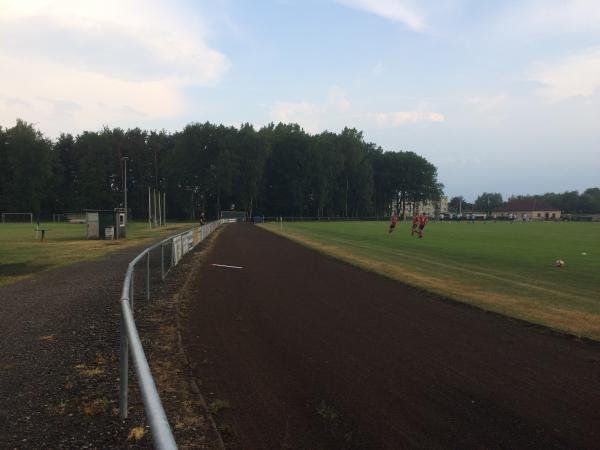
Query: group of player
[[418, 224]]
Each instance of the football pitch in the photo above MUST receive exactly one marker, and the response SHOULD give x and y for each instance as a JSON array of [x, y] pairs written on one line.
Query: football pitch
[[498, 266], [22, 254]]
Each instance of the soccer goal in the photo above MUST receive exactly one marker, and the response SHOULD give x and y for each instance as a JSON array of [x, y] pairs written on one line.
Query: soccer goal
[[10, 217]]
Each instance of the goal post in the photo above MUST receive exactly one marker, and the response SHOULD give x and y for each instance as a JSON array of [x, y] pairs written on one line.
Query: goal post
[[12, 217], [59, 217]]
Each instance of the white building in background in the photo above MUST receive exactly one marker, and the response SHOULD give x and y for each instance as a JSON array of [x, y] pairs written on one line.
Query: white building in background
[[430, 208]]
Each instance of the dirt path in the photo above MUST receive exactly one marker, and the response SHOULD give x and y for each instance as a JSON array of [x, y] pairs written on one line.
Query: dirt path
[[297, 350], [59, 337]]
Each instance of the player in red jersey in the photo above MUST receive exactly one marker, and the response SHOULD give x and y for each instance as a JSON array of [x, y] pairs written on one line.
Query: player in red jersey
[[393, 223], [415, 223], [423, 219]]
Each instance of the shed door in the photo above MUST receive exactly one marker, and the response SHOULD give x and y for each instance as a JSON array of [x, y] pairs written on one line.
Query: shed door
[[93, 227]]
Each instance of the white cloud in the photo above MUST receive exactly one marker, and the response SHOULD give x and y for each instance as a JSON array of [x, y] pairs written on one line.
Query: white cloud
[[397, 10], [71, 65], [336, 111], [337, 99], [575, 76], [399, 118], [311, 116], [554, 16], [287, 111], [303, 113]]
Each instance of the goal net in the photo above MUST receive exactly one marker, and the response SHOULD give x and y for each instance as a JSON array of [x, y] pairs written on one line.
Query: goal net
[[78, 217], [234, 216], [9, 217]]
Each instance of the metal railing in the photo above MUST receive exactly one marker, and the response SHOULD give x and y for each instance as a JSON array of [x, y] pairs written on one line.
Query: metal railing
[[178, 245]]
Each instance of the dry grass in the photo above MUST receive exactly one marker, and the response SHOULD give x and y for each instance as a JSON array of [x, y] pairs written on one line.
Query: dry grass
[[136, 433], [4, 366], [59, 409], [94, 407], [65, 244], [89, 372], [168, 364]]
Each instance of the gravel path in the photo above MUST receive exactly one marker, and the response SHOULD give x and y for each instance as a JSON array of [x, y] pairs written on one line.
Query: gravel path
[[59, 358], [297, 350]]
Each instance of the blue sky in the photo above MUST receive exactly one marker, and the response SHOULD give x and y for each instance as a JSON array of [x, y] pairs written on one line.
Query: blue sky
[[502, 96]]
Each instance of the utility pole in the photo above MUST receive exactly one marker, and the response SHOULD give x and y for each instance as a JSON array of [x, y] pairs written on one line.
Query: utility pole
[[125, 158]]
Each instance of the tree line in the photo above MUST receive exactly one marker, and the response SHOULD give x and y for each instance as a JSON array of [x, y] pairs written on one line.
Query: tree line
[[570, 202], [277, 170]]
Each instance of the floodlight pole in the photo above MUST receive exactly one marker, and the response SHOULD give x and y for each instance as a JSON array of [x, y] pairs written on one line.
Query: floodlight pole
[[155, 208], [125, 158], [164, 209], [159, 211]]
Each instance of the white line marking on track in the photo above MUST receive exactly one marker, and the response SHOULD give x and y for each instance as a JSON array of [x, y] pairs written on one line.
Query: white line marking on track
[[228, 267]]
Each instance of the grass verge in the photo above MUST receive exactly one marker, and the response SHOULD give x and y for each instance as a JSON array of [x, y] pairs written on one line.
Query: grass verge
[[22, 255]]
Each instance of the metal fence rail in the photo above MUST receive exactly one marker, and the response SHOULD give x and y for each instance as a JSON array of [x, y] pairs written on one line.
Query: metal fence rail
[[172, 250]]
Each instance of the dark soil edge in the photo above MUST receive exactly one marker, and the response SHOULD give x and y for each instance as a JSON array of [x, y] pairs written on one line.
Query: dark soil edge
[[440, 296]]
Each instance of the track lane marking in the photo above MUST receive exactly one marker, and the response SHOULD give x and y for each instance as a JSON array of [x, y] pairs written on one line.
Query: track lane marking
[[227, 267]]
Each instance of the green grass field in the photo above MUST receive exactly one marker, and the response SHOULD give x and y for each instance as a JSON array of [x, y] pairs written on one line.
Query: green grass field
[[498, 266], [21, 255]]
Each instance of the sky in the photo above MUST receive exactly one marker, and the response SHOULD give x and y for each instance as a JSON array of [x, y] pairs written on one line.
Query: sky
[[501, 95]]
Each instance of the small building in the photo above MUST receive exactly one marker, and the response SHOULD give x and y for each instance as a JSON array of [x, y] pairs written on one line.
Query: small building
[[527, 209], [105, 223], [430, 208]]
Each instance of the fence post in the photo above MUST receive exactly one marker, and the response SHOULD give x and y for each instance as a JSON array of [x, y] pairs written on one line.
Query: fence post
[[148, 277], [162, 261], [131, 288], [123, 370]]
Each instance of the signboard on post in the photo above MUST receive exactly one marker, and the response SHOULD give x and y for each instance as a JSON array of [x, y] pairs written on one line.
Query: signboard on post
[[177, 250], [187, 241]]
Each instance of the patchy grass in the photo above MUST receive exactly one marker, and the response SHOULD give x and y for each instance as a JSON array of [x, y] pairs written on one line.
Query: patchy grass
[[95, 406], [193, 426], [136, 433], [218, 405], [189, 422], [501, 267], [89, 372], [5, 367], [22, 255], [327, 412], [60, 408]]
